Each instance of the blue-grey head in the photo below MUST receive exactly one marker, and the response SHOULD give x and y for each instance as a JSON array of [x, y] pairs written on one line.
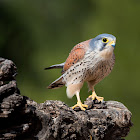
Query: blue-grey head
[[103, 41]]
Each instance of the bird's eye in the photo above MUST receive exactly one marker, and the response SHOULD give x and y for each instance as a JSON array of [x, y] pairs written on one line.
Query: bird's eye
[[105, 40]]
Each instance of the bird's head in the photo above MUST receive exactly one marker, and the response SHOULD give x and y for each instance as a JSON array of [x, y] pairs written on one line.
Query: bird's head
[[103, 44]]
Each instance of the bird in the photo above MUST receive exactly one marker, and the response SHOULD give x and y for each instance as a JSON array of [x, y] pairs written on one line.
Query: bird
[[89, 61]]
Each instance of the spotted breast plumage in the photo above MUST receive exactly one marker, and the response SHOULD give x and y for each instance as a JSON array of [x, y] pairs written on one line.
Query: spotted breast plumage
[[89, 61]]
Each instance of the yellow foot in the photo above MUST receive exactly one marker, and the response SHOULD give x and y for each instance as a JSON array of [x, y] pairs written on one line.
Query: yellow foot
[[90, 137], [79, 104], [94, 96]]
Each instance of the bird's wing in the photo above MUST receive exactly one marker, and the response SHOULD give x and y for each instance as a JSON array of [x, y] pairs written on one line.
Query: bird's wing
[[76, 54]]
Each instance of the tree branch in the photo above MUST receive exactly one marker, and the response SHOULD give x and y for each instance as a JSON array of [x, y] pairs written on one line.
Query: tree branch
[[23, 118]]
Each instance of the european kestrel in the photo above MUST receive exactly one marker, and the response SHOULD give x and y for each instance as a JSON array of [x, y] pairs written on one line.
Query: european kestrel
[[89, 61]]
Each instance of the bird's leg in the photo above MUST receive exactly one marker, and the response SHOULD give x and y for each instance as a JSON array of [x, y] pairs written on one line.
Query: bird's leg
[[90, 137], [79, 103], [94, 96]]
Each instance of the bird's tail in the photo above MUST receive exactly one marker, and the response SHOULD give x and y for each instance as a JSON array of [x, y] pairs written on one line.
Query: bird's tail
[[57, 83], [55, 66]]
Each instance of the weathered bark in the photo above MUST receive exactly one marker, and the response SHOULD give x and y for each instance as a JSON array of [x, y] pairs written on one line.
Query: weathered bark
[[22, 118]]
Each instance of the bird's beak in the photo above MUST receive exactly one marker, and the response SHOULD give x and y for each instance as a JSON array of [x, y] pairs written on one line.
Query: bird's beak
[[112, 43]]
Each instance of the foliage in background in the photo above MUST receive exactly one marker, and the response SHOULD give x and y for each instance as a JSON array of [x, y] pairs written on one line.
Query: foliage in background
[[36, 34]]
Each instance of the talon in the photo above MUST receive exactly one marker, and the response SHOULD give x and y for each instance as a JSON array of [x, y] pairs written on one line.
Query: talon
[[100, 99], [95, 97], [79, 104]]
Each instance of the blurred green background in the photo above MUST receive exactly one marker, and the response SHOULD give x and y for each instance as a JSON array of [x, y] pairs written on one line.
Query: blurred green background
[[38, 33]]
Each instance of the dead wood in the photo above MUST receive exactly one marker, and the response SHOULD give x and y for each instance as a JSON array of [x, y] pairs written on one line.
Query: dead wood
[[22, 118]]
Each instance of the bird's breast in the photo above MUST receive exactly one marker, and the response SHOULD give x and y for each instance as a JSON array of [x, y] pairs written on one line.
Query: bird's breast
[[91, 67], [100, 68]]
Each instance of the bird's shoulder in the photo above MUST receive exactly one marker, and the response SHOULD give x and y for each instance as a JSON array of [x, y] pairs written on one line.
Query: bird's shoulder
[[76, 54]]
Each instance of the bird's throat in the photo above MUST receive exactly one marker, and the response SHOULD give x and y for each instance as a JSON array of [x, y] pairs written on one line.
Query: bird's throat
[[106, 53]]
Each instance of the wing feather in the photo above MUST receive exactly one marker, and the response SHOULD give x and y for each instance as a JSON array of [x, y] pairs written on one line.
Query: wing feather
[[76, 54]]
